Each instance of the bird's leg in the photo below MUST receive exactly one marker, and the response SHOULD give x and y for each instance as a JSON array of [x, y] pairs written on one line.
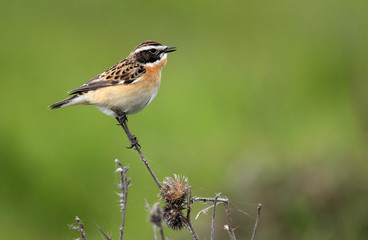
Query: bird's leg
[[122, 119], [133, 142]]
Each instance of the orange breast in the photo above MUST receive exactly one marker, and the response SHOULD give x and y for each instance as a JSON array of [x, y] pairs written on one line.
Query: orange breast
[[125, 96]]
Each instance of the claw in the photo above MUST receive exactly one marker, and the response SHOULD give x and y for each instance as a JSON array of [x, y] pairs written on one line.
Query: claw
[[134, 142], [122, 119]]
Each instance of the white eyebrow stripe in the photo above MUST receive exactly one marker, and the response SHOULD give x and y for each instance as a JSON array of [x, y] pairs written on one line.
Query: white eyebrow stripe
[[149, 47]]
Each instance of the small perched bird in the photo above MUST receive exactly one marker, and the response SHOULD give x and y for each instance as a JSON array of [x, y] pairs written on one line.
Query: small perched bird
[[128, 86]]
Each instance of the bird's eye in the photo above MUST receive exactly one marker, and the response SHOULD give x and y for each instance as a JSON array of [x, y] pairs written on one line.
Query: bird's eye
[[153, 50]]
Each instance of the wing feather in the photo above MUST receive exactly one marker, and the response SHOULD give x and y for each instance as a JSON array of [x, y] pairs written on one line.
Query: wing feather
[[124, 72]]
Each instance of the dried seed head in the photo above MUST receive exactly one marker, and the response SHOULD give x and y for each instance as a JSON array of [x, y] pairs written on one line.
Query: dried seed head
[[174, 217], [155, 215], [174, 190]]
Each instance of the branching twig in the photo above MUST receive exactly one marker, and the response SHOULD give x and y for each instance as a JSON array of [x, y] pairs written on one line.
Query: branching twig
[[229, 227], [80, 228], [134, 143], [123, 186], [203, 211], [155, 217], [148, 208], [189, 209], [259, 206], [155, 232], [203, 199], [213, 217]]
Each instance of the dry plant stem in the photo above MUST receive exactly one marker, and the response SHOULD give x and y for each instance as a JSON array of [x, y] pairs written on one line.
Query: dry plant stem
[[203, 199], [122, 119], [156, 223], [203, 211], [162, 233], [155, 231], [213, 218], [123, 186], [257, 219], [103, 233], [227, 208], [189, 209], [230, 229], [81, 228]]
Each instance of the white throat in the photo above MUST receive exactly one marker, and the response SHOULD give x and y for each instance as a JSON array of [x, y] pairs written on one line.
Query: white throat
[[163, 57]]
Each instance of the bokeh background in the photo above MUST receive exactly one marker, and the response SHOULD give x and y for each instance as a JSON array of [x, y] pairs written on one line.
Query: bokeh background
[[264, 101]]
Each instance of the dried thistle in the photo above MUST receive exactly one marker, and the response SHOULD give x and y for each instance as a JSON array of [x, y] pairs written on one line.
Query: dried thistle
[[174, 190], [174, 217], [155, 215]]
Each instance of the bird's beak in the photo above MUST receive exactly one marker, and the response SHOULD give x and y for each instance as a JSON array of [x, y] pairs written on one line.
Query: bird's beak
[[169, 49]]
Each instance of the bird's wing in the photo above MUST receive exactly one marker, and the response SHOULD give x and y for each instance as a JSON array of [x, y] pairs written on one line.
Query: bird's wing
[[124, 72]]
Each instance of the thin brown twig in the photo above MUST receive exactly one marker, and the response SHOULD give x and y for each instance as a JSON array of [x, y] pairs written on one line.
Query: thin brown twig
[[213, 217], [203, 211], [203, 199], [122, 119], [229, 227], [151, 219], [155, 217], [154, 231], [80, 228], [162, 233], [189, 209], [259, 206], [123, 186], [103, 233]]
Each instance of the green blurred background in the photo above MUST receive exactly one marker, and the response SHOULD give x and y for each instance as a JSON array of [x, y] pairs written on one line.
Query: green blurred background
[[264, 101]]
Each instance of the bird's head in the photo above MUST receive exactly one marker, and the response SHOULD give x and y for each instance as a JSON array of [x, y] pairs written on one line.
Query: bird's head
[[151, 53]]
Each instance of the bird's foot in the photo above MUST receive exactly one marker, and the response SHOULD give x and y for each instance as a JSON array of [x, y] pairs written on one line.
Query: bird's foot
[[134, 142], [122, 119]]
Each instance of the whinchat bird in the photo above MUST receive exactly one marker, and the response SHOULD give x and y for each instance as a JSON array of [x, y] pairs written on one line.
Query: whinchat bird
[[128, 86]]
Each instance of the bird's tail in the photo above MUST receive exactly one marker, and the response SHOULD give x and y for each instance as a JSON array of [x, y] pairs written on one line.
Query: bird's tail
[[63, 103]]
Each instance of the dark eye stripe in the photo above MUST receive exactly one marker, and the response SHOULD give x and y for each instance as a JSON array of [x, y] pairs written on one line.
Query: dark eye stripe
[[146, 56], [153, 50]]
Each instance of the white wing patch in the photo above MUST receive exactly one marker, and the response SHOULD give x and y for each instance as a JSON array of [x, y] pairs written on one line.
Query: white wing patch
[[134, 81]]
